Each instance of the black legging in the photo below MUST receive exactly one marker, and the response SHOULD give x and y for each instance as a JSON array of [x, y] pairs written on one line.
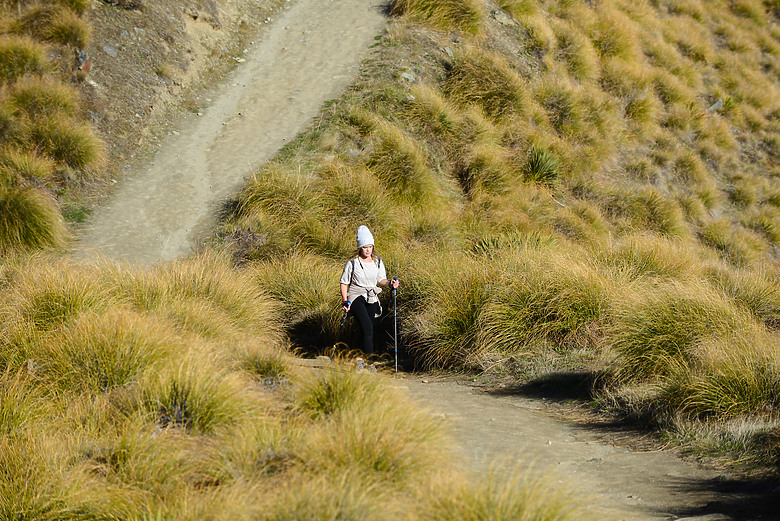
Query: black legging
[[364, 313]]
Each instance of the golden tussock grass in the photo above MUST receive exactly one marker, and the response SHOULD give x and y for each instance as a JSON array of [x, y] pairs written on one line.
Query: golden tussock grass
[[657, 327], [503, 495], [53, 23], [465, 15], [537, 35], [19, 56], [485, 78], [577, 51], [29, 220]]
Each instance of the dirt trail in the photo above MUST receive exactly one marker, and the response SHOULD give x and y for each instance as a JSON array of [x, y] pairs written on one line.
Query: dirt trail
[[619, 483], [308, 56]]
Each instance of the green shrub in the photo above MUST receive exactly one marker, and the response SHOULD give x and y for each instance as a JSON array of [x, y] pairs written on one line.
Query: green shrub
[[29, 220], [20, 56], [541, 167], [465, 15]]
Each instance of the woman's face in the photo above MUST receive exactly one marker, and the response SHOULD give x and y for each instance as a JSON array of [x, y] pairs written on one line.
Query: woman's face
[[366, 251]]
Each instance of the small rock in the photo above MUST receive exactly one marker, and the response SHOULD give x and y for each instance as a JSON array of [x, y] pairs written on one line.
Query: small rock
[[449, 53], [408, 77], [140, 33], [425, 381], [111, 51], [503, 18], [716, 106]]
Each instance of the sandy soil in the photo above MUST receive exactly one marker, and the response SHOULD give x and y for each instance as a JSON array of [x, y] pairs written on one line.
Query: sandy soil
[[161, 211], [309, 55]]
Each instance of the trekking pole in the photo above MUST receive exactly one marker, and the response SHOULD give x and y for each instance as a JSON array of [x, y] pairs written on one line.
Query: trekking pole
[[395, 325]]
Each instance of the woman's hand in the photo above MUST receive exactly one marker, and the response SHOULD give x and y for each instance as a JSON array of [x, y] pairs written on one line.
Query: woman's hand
[[394, 283], [346, 305]]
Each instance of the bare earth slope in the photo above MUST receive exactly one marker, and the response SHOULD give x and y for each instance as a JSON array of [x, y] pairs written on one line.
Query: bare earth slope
[[309, 55]]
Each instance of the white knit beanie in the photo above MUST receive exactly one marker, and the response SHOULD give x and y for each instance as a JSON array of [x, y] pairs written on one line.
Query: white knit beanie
[[364, 237]]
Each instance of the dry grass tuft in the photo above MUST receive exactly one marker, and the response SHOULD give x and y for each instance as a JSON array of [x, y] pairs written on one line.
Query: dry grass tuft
[[465, 15], [481, 77]]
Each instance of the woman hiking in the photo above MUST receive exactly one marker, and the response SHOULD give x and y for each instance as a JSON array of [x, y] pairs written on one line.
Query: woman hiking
[[361, 281]]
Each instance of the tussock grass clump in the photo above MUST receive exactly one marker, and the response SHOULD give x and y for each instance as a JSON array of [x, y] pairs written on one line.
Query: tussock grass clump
[[754, 289], [20, 56], [652, 257], [484, 78], [382, 438], [465, 15], [307, 295], [197, 395], [401, 165], [67, 142], [564, 110], [555, 298], [445, 332], [334, 391], [21, 406], [614, 34], [577, 51], [100, 353], [656, 329], [346, 496], [53, 23], [502, 496], [26, 165], [735, 374], [738, 246], [41, 96], [33, 483], [29, 220]]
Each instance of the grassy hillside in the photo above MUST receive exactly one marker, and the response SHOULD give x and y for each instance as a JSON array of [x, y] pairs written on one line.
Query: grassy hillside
[[46, 145], [559, 186]]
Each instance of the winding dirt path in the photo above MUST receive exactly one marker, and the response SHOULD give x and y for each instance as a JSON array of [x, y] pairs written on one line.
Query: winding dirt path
[[309, 55], [595, 459]]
